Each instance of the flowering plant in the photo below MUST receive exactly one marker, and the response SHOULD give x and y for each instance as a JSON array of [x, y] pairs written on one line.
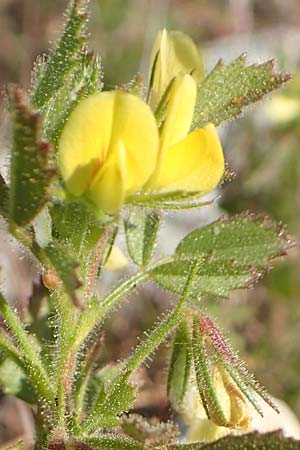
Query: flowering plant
[[83, 160]]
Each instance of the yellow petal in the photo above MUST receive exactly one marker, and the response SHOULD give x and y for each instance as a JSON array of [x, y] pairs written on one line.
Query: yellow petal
[[91, 134], [135, 125], [194, 164], [233, 402], [179, 112], [85, 141], [177, 55], [107, 191]]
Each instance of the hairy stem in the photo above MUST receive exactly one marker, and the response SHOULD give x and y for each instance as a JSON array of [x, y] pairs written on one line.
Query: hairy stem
[[95, 310], [66, 359], [9, 349], [34, 367], [155, 338]]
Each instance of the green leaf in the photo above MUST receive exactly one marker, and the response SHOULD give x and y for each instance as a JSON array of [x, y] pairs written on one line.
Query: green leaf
[[212, 278], [228, 89], [169, 201], [149, 430], [232, 253], [107, 441], [4, 192], [14, 382], [245, 239], [180, 365], [141, 230], [32, 363], [252, 441], [117, 399], [31, 170], [64, 56], [205, 385], [65, 266], [76, 225], [84, 80]]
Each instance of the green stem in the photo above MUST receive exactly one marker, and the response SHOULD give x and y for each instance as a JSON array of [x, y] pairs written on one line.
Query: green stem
[[66, 359], [10, 351], [155, 338], [161, 331], [95, 310], [35, 369]]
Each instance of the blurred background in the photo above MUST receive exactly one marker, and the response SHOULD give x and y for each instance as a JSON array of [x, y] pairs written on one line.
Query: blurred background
[[262, 148]]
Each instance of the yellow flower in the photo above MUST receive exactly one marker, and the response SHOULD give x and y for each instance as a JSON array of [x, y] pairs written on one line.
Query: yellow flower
[[111, 146], [108, 148], [186, 161], [175, 54]]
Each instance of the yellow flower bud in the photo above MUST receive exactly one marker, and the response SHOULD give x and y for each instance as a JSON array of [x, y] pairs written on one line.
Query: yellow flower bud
[[174, 54], [233, 403], [235, 413]]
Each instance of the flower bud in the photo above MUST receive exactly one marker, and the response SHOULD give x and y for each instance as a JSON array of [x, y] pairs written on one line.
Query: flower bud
[[173, 54]]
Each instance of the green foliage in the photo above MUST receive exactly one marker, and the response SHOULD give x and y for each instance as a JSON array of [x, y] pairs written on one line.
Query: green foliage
[[116, 398], [231, 252], [83, 80], [254, 441], [141, 229], [76, 225], [149, 431], [14, 382], [110, 441], [79, 398], [30, 359], [228, 89], [244, 239], [31, 169], [180, 365], [212, 279], [64, 55]]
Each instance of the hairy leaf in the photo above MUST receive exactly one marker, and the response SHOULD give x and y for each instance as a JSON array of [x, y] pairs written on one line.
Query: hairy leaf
[[212, 278], [84, 80], [252, 441], [228, 89], [245, 239], [205, 385], [180, 365], [232, 253], [14, 382], [141, 229], [64, 56], [117, 398], [31, 170], [76, 225], [107, 441], [149, 430]]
